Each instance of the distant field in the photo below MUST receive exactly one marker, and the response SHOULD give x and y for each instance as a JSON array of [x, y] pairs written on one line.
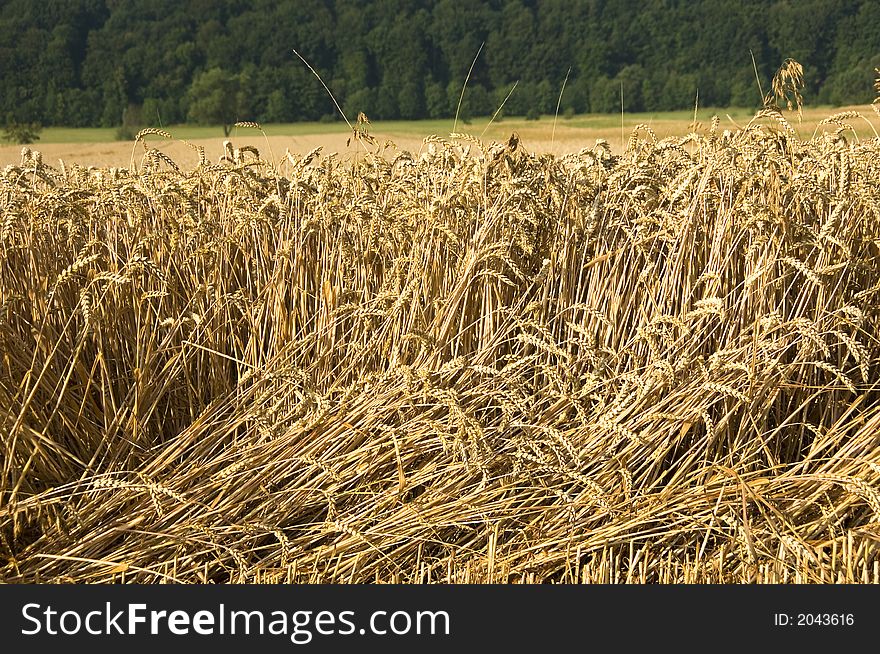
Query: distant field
[[675, 121], [99, 147]]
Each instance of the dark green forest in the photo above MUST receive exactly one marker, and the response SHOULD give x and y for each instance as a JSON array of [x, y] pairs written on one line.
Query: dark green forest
[[100, 62]]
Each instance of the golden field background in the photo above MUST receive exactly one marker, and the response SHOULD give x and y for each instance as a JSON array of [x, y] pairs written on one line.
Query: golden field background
[[553, 135]]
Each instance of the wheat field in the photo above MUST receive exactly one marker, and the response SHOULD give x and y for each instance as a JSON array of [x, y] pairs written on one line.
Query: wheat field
[[466, 363]]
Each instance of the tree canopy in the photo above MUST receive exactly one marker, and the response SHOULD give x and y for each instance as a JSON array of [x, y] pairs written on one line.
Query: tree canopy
[[86, 62]]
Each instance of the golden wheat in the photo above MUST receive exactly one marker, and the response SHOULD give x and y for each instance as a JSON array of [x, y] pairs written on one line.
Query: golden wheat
[[350, 369]]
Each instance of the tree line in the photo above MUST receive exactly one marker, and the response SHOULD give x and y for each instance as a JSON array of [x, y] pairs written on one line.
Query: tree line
[[108, 62]]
